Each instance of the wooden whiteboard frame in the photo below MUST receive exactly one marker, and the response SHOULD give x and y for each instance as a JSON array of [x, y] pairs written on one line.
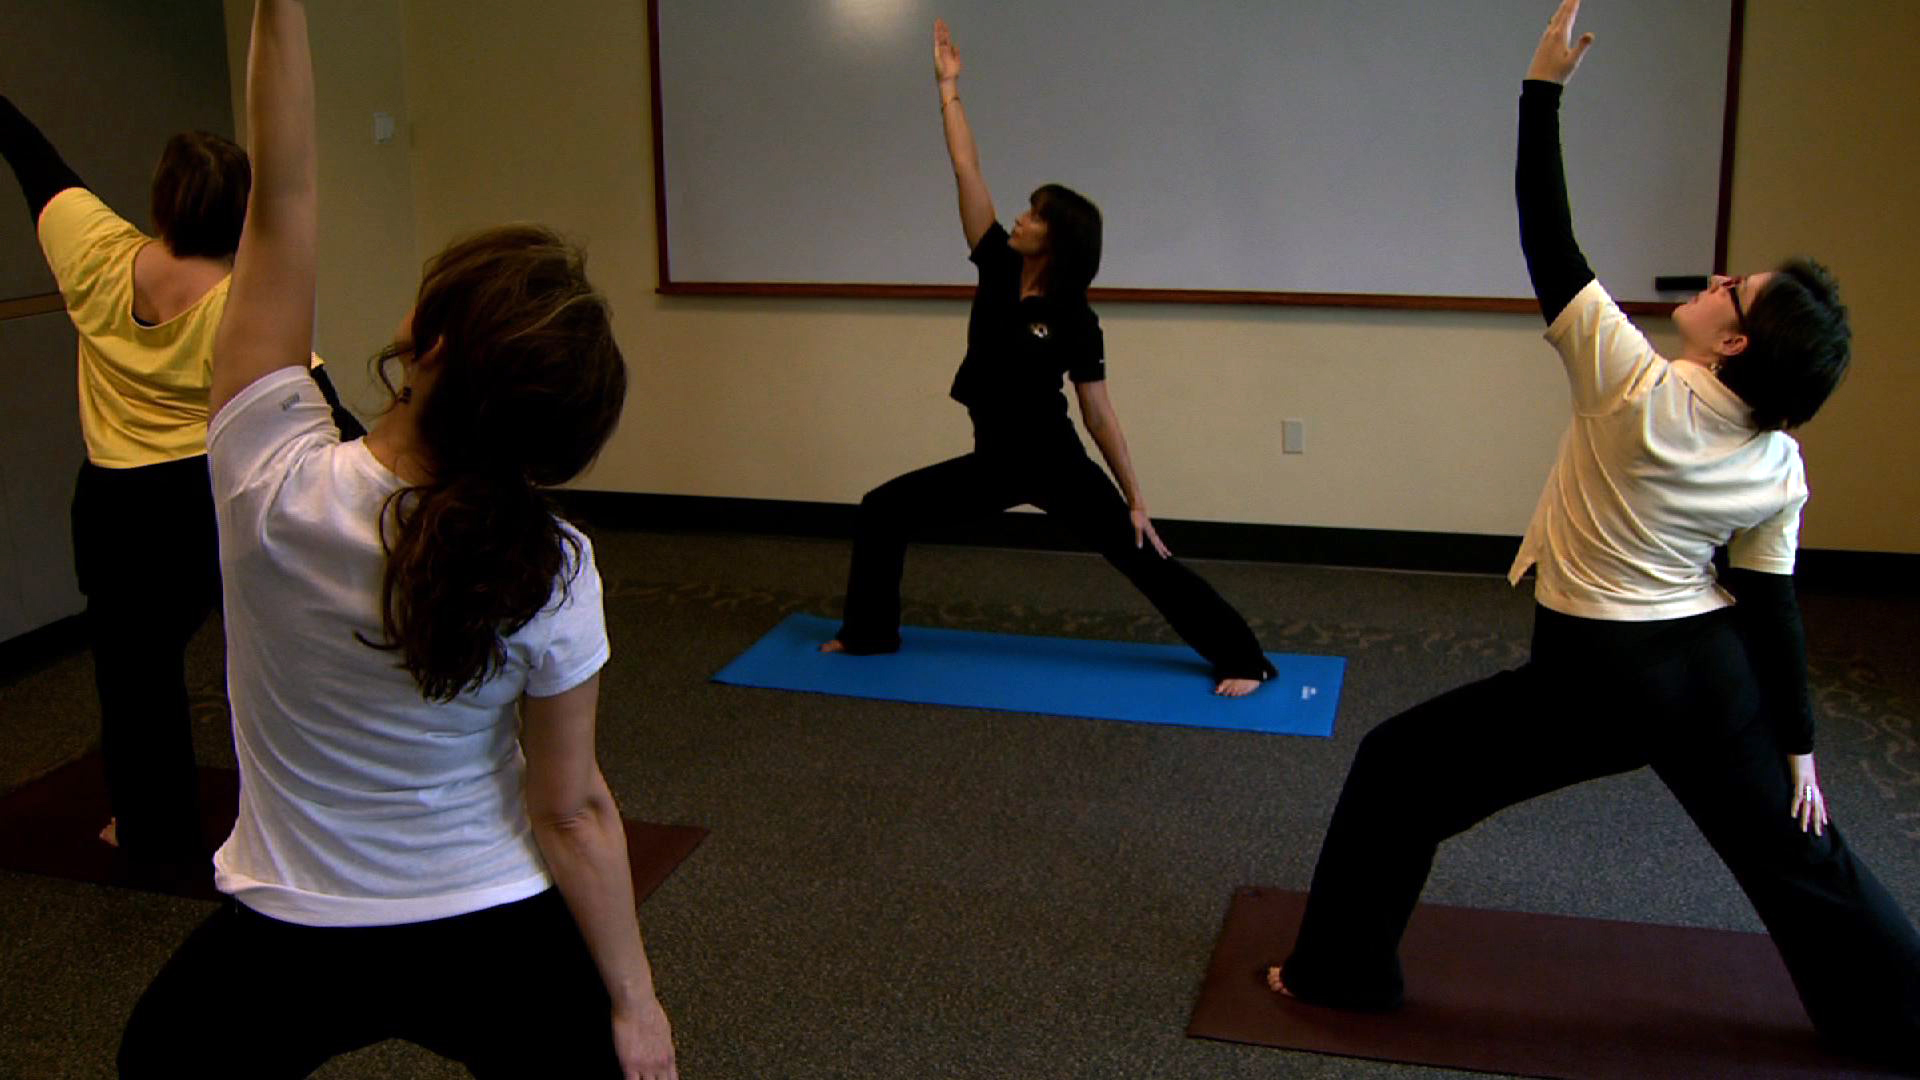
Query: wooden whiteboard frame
[[857, 290]]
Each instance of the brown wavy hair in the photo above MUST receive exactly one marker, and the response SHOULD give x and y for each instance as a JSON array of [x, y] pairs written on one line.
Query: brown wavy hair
[[529, 387]]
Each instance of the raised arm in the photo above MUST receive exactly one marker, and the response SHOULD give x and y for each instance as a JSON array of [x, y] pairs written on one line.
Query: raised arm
[[577, 827], [976, 204], [268, 323], [1554, 262], [36, 164]]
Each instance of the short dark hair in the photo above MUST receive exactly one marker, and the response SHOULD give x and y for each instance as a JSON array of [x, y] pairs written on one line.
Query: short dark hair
[[200, 193], [1798, 345], [1073, 239]]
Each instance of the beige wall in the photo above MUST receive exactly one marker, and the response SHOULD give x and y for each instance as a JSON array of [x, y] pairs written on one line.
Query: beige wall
[[1829, 148], [1419, 421]]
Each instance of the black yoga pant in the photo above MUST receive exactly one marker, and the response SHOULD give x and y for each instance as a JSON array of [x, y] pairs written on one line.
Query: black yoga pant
[[1596, 699], [509, 991], [1066, 484], [145, 550]]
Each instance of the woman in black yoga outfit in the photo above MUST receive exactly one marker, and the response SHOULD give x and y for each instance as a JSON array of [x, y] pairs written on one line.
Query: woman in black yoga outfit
[[1640, 656], [1030, 324]]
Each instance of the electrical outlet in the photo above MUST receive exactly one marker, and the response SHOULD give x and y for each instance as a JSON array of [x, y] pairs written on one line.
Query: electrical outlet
[[1293, 436]]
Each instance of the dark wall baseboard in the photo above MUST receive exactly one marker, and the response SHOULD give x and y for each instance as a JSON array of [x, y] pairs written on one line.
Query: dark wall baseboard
[[35, 649], [1382, 549], [1869, 572]]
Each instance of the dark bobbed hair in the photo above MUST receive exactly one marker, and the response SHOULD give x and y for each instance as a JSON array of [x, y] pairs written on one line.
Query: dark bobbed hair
[[1798, 346], [1073, 239], [529, 386], [199, 198]]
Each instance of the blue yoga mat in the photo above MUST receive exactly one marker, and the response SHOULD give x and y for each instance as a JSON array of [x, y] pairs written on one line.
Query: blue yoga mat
[[1106, 680]]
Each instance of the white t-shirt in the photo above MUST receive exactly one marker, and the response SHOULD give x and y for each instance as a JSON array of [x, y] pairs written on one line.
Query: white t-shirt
[[361, 803], [1660, 465]]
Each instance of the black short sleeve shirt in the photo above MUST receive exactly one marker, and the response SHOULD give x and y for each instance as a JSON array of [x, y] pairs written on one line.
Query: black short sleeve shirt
[[1018, 349]]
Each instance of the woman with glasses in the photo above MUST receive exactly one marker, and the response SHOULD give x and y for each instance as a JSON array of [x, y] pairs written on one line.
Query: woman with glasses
[[1640, 655]]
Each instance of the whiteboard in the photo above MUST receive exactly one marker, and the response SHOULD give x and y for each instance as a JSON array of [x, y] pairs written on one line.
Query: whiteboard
[[1354, 147]]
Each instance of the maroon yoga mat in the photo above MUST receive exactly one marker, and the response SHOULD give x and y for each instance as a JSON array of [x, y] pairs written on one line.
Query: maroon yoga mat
[[51, 827], [1537, 995]]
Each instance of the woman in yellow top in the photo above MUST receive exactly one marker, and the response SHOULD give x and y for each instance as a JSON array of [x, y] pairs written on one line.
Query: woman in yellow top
[[143, 527]]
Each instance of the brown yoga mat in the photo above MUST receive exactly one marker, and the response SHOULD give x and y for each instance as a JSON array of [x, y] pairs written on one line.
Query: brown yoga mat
[[1537, 995], [51, 826]]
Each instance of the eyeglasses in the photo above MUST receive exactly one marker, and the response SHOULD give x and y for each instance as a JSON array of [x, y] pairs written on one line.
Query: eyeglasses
[[1733, 294]]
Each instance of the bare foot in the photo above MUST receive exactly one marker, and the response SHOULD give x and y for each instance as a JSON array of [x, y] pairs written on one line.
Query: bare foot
[[110, 835], [833, 646], [1273, 981], [1236, 687]]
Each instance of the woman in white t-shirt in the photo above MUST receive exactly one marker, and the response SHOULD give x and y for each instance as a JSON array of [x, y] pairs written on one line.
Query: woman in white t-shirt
[[426, 848], [1641, 655]]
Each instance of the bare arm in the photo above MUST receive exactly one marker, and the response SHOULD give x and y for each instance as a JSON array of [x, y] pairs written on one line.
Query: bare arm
[[1096, 412], [268, 323], [577, 827], [976, 203]]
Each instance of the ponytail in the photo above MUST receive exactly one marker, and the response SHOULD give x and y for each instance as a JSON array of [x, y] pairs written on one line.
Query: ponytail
[[529, 387], [469, 562]]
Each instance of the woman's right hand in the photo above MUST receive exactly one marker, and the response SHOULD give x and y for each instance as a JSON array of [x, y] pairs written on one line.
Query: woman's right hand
[[1558, 54], [946, 56], [1809, 805], [643, 1040]]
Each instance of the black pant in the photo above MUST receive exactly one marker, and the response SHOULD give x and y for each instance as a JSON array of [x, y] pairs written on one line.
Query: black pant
[[147, 555], [509, 991], [1060, 479], [1596, 699]]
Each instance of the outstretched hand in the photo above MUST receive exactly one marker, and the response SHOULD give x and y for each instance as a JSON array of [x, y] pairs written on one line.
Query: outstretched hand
[[1559, 54], [1809, 806], [946, 55], [1143, 532], [643, 1041]]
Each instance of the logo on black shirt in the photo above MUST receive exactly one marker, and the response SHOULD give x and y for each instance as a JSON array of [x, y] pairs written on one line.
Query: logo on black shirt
[[1038, 330]]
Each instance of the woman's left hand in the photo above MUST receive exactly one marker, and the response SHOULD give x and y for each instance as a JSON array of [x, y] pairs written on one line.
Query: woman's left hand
[[643, 1041], [1809, 803], [1143, 531]]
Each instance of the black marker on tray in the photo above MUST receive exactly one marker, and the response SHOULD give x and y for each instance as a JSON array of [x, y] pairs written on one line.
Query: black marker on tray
[[1679, 282]]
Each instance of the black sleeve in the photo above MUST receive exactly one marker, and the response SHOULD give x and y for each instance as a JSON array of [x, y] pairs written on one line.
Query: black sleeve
[[997, 261], [349, 426], [1087, 362], [1554, 261], [35, 162], [1769, 619]]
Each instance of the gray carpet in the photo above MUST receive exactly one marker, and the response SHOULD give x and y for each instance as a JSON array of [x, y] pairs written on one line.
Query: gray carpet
[[894, 890]]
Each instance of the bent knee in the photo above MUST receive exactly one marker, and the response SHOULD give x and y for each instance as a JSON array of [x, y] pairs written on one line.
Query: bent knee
[[883, 502], [1388, 745]]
